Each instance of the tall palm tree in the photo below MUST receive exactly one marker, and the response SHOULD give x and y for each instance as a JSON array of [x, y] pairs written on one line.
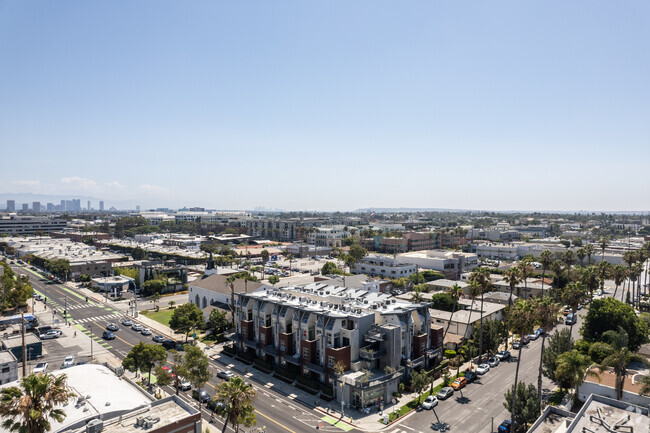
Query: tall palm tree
[[619, 360], [525, 270], [417, 296], [636, 271], [629, 257], [454, 291], [568, 257], [619, 273], [546, 259], [546, 312], [572, 367], [482, 278], [291, 258], [237, 398], [558, 268], [473, 291], [603, 243], [512, 277], [589, 277], [230, 282], [604, 270], [572, 295], [29, 408], [520, 321], [589, 250], [581, 253]]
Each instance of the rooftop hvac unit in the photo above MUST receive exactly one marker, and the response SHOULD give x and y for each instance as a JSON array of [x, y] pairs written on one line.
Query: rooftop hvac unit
[[94, 426]]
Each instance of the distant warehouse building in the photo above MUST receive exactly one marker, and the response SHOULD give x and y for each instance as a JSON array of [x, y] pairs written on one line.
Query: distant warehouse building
[[27, 225]]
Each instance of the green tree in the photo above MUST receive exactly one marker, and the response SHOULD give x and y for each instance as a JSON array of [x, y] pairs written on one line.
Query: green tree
[[420, 381], [274, 279], [218, 321], [330, 268], [15, 290], [609, 314], [144, 357], [589, 251], [138, 253], [163, 377], [493, 333], [527, 406], [186, 318], [520, 321], [599, 351], [237, 398], [545, 259], [28, 408], [416, 278], [357, 252], [59, 267], [571, 369], [572, 295], [546, 312], [196, 366], [265, 256], [482, 278], [155, 297], [432, 275], [619, 273], [154, 286], [417, 296], [558, 343]]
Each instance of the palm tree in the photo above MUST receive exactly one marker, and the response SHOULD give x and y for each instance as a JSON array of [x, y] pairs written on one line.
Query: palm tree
[[512, 277], [520, 321], [482, 278], [571, 368], [558, 268], [525, 270], [629, 257], [230, 282], [29, 408], [546, 311], [237, 398], [546, 259], [581, 253], [619, 272], [603, 243], [589, 277], [568, 257], [572, 295], [454, 291], [417, 296], [472, 291], [604, 272], [589, 250], [619, 360], [291, 258]]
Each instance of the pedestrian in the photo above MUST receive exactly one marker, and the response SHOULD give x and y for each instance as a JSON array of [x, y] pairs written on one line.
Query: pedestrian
[[75, 333]]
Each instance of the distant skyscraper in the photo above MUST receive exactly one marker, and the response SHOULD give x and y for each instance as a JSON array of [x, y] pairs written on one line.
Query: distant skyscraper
[[25, 207], [62, 206], [88, 205], [50, 207], [101, 206], [11, 205], [137, 208], [36, 206]]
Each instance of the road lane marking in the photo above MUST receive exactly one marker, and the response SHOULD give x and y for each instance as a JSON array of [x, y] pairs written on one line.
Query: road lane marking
[[272, 420]]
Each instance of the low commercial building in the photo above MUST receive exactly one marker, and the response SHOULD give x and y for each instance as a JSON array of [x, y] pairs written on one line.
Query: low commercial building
[[28, 225], [114, 285], [8, 367], [308, 330], [33, 346], [449, 263], [383, 266], [465, 320], [107, 403], [214, 290]]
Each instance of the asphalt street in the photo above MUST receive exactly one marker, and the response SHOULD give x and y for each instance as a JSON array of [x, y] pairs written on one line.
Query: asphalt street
[[277, 412]]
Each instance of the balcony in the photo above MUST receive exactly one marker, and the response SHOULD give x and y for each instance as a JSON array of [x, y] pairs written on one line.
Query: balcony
[[270, 349], [412, 363], [374, 335], [292, 359], [315, 367], [252, 344], [379, 378], [370, 354]]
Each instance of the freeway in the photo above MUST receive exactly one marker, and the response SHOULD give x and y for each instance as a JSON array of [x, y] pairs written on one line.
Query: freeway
[[276, 412]]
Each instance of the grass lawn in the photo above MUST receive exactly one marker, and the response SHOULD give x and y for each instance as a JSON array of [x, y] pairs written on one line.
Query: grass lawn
[[163, 316]]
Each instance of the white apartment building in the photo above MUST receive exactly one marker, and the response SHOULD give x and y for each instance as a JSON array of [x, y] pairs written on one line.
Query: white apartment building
[[383, 266], [450, 263], [328, 236]]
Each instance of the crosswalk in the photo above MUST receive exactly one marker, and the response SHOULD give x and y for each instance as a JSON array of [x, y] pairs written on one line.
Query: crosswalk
[[105, 318]]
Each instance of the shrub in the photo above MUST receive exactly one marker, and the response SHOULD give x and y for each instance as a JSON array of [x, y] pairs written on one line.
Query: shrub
[[599, 351]]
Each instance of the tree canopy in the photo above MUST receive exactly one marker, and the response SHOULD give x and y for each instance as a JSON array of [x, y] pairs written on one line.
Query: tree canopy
[[527, 403], [14, 290], [330, 268], [186, 318], [608, 314], [144, 357]]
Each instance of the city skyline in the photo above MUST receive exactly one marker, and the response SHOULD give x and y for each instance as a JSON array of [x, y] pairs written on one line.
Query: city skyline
[[500, 106]]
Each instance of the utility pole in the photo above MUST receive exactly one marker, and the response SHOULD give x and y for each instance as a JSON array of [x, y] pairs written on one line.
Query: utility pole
[[91, 342], [22, 332], [65, 309]]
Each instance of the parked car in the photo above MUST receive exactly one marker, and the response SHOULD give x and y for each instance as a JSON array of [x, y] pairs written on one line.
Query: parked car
[[145, 331], [68, 362], [225, 375], [482, 369], [504, 427], [53, 333], [459, 383], [430, 402], [44, 329], [112, 327], [539, 332], [533, 336], [571, 319], [470, 376], [127, 322], [201, 395], [213, 405], [525, 340], [493, 361], [136, 327], [516, 344], [158, 338], [82, 362], [185, 385], [169, 344], [445, 393], [41, 367], [503, 355], [108, 335]]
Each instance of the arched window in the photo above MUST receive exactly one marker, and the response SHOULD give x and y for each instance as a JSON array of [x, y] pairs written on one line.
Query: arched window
[[196, 300], [205, 302]]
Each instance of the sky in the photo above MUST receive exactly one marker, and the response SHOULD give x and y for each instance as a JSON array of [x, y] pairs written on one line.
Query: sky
[[331, 105]]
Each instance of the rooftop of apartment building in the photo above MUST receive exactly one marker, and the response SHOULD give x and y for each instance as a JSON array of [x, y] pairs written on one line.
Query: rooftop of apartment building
[[382, 260], [469, 307], [602, 414], [334, 300], [157, 247], [436, 254]]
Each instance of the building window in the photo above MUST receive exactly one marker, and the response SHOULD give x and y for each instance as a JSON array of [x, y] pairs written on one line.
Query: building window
[[330, 361], [305, 353], [262, 338], [283, 346]]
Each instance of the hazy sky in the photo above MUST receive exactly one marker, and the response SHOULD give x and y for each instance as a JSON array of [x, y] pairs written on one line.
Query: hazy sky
[[329, 104]]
